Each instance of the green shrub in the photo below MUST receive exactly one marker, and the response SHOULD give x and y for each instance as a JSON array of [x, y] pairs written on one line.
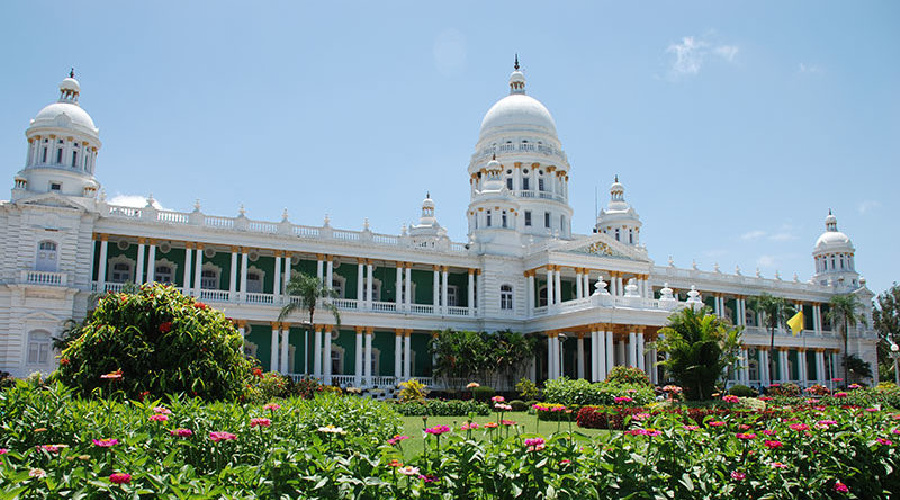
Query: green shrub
[[627, 375], [741, 391], [412, 390], [483, 393], [527, 389], [435, 408], [580, 392], [266, 387], [518, 405], [155, 342]]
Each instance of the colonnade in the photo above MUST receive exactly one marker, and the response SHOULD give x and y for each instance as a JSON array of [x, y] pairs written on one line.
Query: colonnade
[[610, 345]]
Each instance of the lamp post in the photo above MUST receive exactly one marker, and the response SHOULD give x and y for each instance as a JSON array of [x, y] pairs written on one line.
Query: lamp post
[[895, 355]]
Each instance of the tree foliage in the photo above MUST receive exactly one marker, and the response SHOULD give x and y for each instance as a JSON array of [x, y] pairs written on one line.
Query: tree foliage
[[700, 347], [155, 342], [842, 312], [307, 289], [886, 318], [776, 312], [480, 355]]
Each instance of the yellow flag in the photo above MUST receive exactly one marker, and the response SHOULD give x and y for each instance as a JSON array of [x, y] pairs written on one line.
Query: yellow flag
[[796, 323]]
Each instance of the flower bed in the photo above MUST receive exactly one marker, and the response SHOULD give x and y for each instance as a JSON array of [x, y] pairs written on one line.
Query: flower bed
[[436, 408]]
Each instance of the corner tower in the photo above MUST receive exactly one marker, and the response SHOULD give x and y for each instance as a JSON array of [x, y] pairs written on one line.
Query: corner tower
[[519, 173], [619, 219], [63, 144], [835, 258]]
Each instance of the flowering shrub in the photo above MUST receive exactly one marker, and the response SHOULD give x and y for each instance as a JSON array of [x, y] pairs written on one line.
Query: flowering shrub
[[412, 390], [627, 375], [435, 408], [578, 392], [153, 342]]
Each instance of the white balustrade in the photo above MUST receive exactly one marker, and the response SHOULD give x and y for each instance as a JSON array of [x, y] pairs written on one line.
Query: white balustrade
[[259, 298], [47, 278], [422, 309], [210, 295], [384, 306]]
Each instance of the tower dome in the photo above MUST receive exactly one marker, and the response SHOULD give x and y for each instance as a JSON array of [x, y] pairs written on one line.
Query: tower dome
[[835, 257], [63, 144], [517, 111], [619, 219]]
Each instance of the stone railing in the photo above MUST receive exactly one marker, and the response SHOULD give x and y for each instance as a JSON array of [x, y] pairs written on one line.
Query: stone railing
[[684, 278], [520, 147], [46, 278]]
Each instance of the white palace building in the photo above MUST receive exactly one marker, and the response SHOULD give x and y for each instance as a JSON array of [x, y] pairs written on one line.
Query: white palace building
[[594, 299]]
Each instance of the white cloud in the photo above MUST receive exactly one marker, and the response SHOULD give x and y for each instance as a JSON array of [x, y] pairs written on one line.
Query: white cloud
[[134, 200], [810, 68], [692, 52], [753, 235], [867, 205], [766, 261], [783, 236]]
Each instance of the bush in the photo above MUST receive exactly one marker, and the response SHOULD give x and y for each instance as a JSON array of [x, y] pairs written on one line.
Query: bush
[[267, 387], [784, 389], [412, 390], [741, 390], [580, 392], [518, 405], [483, 393], [435, 408], [627, 375], [527, 389], [155, 342]]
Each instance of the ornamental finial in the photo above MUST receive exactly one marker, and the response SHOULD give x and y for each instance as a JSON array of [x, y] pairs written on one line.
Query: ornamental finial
[[516, 65], [72, 73]]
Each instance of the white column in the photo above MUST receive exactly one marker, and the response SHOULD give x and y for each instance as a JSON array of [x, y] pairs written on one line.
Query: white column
[[274, 364], [276, 280], [763, 367], [445, 289], [139, 268], [632, 349], [287, 269], [329, 272], [198, 268], [101, 271], [549, 285], [370, 299], [639, 352], [619, 289], [610, 359], [398, 287], [817, 319], [359, 287], [579, 284], [820, 368], [552, 357], [620, 353], [285, 345], [408, 287], [471, 291], [579, 357], [782, 359], [407, 355], [398, 355], [716, 308], [244, 272], [326, 355], [586, 287], [317, 353], [557, 288], [436, 289], [186, 278], [151, 263], [652, 368], [560, 358], [595, 355], [320, 267], [358, 365], [529, 293], [232, 279], [367, 361]]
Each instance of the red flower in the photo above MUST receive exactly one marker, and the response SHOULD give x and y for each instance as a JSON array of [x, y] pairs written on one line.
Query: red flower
[[201, 306], [119, 478], [64, 362], [257, 372], [165, 327]]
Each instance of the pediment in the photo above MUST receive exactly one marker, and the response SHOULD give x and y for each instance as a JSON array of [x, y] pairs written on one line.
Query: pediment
[[50, 200], [602, 245]]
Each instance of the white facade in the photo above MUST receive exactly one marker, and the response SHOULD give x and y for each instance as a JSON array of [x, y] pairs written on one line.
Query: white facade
[[596, 298]]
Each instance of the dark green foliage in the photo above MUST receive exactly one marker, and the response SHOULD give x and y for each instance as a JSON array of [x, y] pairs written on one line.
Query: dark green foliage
[[483, 393], [518, 405], [466, 355], [627, 375], [434, 408], [578, 392], [741, 391], [160, 342]]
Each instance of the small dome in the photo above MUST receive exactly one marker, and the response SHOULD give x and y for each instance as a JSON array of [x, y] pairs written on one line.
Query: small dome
[[48, 117], [493, 165], [70, 84], [831, 219], [832, 238], [518, 112], [428, 202]]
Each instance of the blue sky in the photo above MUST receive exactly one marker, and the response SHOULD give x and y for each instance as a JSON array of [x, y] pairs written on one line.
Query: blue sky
[[734, 126]]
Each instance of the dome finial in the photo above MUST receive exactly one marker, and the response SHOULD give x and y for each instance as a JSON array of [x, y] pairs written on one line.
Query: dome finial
[[617, 178], [72, 73], [516, 65], [427, 194]]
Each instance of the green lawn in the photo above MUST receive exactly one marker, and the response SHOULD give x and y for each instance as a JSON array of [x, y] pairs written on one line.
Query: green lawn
[[412, 427]]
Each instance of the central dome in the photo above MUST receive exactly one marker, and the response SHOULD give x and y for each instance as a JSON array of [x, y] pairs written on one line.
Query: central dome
[[75, 114], [518, 112]]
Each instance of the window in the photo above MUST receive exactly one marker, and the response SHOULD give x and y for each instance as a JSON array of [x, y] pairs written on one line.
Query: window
[[842, 261], [376, 354], [452, 292], [488, 218], [547, 219], [506, 298], [528, 217], [59, 155], [503, 218], [44, 157], [209, 279], [562, 224], [509, 183], [337, 360], [541, 184], [526, 184], [55, 186], [376, 290], [254, 282], [74, 159], [38, 347], [46, 256], [163, 274], [121, 272], [542, 296], [337, 284], [833, 266], [631, 236], [617, 235]]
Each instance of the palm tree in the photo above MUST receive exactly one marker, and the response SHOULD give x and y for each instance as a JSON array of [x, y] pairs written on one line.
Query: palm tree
[[776, 311], [700, 346], [842, 312], [308, 289]]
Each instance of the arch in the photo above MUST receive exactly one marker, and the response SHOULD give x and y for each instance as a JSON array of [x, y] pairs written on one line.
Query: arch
[[542, 296], [164, 271], [210, 276], [255, 279], [120, 270]]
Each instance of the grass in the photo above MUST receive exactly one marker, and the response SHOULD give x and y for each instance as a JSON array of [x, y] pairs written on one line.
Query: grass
[[528, 424]]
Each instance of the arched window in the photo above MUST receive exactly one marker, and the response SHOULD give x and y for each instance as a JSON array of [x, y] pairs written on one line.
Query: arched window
[[617, 235], [542, 296], [209, 279], [337, 284], [46, 256], [121, 272], [163, 274], [254, 282], [38, 347], [506, 298]]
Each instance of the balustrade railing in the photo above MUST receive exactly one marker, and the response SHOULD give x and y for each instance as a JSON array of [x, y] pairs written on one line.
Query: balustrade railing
[[48, 278], [215, 295]]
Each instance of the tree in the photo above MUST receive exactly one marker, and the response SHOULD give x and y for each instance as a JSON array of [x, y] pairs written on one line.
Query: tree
[[842, 312], [700, 346], [307, 290], [886, 318], [465, 355], [777, 312]]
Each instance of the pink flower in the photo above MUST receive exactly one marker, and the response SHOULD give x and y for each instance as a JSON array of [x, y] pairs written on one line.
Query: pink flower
[[769, 432], [52, 448], [886, 442], [841, 487], [534, 444], [501, 406], [895, 431], [182, 433], [160, 409], [120, 478], [437, 431], [748, 435], [4, 451], [159, 417], [272, 406], [409, 470], [779, 465], [396, 439], [772, 444], [217, 436], [738, 476], [799, 427], [35, 472], [731, 399], [622, 399], [766, 398], [508, 422], [840, 394], [428, 478], [690, 427], [565, 461], [717, 423], [498, 399], [105, 443], [641, 416], [261, 422]]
